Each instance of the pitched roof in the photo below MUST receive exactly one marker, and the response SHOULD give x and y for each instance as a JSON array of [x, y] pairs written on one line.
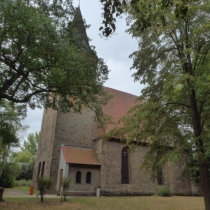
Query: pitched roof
[[118, 106], [77, 155]]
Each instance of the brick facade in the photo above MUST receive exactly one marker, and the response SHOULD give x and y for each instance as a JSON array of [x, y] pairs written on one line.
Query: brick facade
[[81, 130]]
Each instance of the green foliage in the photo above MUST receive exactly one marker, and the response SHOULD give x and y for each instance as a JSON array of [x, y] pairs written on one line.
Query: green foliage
[[9, 174], [22, 183], [23, 157], [41, 64], [28, 150], [31, 145], [10, 124], [44, 184], [65, 186], [147, 13], [26, 172], [164, 191], [173, 62]]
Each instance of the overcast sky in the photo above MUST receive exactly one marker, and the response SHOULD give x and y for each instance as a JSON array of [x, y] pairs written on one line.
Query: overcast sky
[[114, 51]]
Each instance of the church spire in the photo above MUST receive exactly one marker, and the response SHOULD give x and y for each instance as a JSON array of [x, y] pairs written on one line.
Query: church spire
[[78, 25]]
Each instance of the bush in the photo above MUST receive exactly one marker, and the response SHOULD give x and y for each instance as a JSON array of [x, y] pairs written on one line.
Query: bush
[[43, 185], [65, 185], [9, 173], [164, 191], [26, 171], [22, 183]]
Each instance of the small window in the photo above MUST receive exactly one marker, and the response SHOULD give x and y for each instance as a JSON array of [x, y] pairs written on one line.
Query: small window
[[39, 170], [125, 167], [160, 175], [88, 178], [78, 177], [43, 164]]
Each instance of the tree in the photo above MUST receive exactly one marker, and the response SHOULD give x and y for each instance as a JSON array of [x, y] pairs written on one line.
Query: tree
[[41, 63], [32, 144], [9, 174], [173, 63], [28, 150], [44, 184], [10, 124], [26, 171], [27, 156]]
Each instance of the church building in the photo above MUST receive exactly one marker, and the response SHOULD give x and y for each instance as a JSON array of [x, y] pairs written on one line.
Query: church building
[[71, 146]]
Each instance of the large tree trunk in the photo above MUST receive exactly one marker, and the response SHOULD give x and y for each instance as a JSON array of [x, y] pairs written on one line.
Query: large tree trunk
[[205, 183], [203, 166], [42, 198]]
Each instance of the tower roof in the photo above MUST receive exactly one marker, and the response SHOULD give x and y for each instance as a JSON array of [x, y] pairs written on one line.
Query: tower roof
[[79, 27]]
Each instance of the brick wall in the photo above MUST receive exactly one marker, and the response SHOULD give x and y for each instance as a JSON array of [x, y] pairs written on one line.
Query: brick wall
[[46, 142], [77, 130], [139, 180], [84, 187]]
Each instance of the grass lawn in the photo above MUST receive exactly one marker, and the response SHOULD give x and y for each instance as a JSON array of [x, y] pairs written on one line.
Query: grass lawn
[[25, 189], [106, 203]]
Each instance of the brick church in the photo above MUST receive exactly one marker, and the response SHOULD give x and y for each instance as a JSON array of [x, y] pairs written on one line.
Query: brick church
[[71, 146]]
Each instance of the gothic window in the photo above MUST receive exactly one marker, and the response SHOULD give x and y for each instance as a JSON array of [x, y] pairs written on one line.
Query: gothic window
[[160, 175], [39, 169], [125, 168], [78, 177], [88, 178], [43, 164]]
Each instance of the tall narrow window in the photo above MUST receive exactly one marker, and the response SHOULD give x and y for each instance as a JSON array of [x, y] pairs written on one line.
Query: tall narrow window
[[78, 177], [160, 175], [88, 178], [125, 167], [43, 164], [39, 169]]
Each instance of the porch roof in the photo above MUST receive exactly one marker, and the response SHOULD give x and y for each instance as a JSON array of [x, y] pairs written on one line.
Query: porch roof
[[78, 155]]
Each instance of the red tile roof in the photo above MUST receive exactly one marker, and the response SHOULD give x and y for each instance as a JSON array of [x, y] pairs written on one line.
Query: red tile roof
[[119, 105], [76, 155]]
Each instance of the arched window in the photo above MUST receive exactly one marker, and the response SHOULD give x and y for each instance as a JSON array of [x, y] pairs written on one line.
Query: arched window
[[88, 178], [78, 177], [160, 175], [39, 169], [43, 164], [125, 168]]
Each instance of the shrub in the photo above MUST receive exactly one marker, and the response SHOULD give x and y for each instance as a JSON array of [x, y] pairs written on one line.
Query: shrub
[[22, 183], [43, 185], [65, 185], [26, 171], [164, 191], [9, 173]]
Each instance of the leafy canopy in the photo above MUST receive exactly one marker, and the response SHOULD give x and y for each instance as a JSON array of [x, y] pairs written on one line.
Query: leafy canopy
[[173, 64], [28, 150], [10, 125], [41, 62]]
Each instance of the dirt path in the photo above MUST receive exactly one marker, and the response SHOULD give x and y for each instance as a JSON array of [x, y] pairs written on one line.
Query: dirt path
[[10, 192]]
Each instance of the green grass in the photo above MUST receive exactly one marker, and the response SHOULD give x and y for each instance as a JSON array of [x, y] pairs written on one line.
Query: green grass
[[106, 203], [22, 183], [25, 189]]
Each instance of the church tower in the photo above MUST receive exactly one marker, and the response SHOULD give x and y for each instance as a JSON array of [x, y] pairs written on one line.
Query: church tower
[[58, 128]]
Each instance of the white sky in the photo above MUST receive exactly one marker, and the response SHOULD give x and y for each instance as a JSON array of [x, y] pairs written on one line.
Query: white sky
[[114, 51]]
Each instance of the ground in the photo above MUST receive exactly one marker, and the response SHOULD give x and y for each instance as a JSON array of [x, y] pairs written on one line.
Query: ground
[[20, 200]]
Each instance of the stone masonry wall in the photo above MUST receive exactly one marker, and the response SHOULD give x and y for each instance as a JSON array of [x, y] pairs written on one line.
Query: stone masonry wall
[[74, 129], [45, 147], [84, 187], [173, 178], [139, 180]]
